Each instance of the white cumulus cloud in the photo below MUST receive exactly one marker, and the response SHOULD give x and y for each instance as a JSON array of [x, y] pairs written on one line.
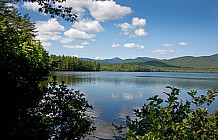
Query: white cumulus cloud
[[78, 35], [133, 45], [46, 44], [65, 40], [183, 44], [99, 10], [34, 6], [88, 26], [163, 51], [78, 6], [52, 25], [138, 22], [126, 28], [134, 29], [85, 43], [167, 45], [49, 36], [107, 10], [73, 46], [50, 30], [140, 32]]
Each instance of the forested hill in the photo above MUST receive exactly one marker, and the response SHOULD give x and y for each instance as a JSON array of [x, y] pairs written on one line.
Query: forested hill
[[195, 62], [119, 60], [180, 64]]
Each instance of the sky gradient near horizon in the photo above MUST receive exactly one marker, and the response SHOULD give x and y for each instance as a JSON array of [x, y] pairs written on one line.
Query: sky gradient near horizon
[[130, 28]]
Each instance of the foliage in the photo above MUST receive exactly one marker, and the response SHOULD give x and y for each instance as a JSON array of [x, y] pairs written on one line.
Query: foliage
[[51, 7], [68, 63], [24, 65], [174, 118], [66, 112], [27, 110]]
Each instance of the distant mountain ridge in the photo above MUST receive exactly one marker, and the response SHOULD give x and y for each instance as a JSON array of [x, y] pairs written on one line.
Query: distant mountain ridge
[[185, 63], [117, 60]]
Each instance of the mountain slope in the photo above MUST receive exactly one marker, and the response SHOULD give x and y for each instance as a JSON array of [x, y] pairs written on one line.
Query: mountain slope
[[194, 62], [118, 60], [111, 61], [138, 59], [180, 64]]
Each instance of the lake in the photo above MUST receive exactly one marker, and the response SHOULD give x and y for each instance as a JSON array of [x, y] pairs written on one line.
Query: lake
[[113, 95]]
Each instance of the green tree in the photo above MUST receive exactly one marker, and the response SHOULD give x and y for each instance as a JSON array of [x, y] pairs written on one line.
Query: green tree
[[66, 112], [174, 119], [29, 109], [68, 63], [23, 66], [51, 7]]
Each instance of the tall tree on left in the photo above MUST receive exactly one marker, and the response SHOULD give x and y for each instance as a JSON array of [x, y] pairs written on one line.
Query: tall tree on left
[[24, 66], [28, 109]]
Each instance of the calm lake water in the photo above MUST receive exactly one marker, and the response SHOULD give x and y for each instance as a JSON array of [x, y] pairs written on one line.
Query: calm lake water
[[113, 95]]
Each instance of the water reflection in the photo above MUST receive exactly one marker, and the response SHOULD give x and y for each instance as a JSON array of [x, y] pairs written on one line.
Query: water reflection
[[188, 82], [114, 95], [132, 96], [72, 78]]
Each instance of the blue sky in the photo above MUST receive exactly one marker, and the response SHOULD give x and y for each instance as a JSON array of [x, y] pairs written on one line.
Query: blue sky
[[130, 28]]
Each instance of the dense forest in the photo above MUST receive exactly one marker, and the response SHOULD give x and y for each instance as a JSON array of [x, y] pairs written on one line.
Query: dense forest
[[71, 63]]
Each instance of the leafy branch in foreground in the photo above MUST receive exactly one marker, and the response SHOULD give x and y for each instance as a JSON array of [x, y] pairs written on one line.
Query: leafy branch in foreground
[[54, 8], [174, 119], [66, 112]]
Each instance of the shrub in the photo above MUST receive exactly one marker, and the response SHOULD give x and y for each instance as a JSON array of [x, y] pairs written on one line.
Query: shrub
[[65, 112], [174, 118]]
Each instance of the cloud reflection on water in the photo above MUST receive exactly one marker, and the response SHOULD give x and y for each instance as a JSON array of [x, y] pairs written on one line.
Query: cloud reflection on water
[[114, 96], [132, 96]]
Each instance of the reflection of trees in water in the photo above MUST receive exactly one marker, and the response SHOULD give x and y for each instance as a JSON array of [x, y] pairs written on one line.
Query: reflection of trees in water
[[152, 81], [74, 80], [180, 83]]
